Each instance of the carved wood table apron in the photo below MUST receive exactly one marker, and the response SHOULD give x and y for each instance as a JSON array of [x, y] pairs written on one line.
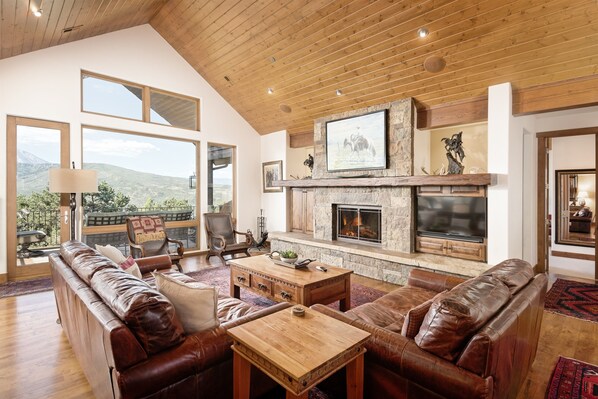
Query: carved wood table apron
[[305, 286], [298, 352]]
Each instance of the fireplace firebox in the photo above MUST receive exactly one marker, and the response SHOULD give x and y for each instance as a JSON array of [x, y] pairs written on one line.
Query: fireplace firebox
[[359, 223]]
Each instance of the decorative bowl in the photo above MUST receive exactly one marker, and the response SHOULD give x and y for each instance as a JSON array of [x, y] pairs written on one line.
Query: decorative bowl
[[289, 260]]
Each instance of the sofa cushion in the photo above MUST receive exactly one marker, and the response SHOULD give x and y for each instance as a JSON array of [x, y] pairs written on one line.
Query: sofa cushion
[[195, 303], [149, 314], [456, 315], [111, 253], [415, 317], [87, 264], [71, 249], [514, 273]]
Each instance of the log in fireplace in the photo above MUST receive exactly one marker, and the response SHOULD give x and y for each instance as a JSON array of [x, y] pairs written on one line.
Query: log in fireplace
[[359, 223]]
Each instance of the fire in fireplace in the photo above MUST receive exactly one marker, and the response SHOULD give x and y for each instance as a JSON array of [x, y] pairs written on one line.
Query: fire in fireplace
[[359, 223]]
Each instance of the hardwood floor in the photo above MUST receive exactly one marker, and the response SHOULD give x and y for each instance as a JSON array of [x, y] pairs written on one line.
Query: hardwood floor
[[36, 360]]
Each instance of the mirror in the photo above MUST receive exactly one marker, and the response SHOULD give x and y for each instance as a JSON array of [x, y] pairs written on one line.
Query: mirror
[[576, 207]]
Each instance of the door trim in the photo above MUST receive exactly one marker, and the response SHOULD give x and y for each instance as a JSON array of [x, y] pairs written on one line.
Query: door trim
[[42, 269]]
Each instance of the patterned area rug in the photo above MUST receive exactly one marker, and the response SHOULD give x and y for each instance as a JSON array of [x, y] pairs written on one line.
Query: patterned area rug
[[220, 277], [15, 288], [571, 298], [572, 379]]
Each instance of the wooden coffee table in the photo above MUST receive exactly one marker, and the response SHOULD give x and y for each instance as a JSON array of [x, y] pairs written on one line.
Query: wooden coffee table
[[306, 286], [299, 352]]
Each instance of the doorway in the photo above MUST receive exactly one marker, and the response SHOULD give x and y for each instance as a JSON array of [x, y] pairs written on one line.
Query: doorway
[[35, 227], [566, 201]]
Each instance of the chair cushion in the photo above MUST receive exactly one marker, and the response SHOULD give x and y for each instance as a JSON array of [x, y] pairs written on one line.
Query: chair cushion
[[458, 314], [514, 273], [195, 303], [148, 313]]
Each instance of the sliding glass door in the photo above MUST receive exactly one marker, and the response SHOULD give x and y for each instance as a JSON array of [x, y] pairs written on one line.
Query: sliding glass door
[[35, 227]]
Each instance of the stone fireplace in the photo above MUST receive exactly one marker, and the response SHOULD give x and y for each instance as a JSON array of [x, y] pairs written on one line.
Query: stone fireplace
[[395, 203], [358, 224]]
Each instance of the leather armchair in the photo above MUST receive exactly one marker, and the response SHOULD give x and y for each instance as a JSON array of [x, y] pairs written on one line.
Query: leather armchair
[[221, 235]]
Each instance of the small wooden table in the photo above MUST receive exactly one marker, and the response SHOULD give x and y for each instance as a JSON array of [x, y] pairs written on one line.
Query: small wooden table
[[305, 286], [298, 352]]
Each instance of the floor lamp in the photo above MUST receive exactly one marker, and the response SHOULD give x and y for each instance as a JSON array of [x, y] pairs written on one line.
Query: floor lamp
[[73, 181]]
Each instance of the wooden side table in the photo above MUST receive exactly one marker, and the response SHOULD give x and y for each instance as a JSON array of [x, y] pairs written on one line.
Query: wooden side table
[[298, 352]]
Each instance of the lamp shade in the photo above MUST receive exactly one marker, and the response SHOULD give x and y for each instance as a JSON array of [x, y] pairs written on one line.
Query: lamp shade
[[73, 181]]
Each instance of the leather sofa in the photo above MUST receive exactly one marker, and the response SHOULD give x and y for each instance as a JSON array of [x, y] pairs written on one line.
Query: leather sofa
[[126, 335], [477, 338]]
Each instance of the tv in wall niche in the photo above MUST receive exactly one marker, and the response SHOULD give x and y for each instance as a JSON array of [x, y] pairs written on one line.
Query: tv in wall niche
[[357, 142]]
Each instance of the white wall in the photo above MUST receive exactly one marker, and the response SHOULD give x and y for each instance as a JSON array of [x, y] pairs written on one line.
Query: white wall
[[274, 148], [46, 85]]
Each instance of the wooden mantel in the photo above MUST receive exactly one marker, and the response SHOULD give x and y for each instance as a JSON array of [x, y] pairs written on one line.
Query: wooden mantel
[[480, 179]]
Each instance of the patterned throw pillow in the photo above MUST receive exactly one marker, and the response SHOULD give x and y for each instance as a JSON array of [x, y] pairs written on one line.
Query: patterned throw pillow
[[131, 267]]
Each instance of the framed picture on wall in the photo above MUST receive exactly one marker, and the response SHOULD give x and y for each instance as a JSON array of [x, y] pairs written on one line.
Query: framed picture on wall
[[271, 171], [356, 143]]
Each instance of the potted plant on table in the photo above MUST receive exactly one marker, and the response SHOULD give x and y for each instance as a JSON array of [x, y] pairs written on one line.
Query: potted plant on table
[[288, 256]]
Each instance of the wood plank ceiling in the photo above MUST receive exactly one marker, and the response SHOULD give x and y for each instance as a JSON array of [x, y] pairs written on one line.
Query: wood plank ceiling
[[306, 50]]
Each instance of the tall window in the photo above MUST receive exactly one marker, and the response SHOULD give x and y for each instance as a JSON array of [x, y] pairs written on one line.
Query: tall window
[[221, 160], [139, 175], [115, 97]]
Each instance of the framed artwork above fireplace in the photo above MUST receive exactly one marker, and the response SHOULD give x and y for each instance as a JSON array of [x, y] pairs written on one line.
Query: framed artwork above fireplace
[[357, 143]]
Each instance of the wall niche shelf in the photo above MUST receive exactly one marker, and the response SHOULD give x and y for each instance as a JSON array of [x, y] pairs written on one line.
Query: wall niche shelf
[[480, 179]]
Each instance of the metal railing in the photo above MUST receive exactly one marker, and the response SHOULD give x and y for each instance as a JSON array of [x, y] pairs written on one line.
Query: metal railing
[[47, 221]]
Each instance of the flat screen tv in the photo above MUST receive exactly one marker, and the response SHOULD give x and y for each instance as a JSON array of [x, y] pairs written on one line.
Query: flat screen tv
[[461, 218]]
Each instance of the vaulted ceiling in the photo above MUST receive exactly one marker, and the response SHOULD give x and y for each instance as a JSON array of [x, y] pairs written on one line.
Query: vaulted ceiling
[[306, 50]]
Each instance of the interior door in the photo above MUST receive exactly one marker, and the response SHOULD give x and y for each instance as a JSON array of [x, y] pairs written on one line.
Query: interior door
[[35, 227]]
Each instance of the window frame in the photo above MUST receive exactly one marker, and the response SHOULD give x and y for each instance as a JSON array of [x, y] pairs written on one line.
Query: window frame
[[234, 182], [196, 222], [145, 100]]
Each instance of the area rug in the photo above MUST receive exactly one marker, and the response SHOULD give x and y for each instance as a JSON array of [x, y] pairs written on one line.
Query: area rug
[[15, 288], [219, 276], [572, 379], [574, 299]]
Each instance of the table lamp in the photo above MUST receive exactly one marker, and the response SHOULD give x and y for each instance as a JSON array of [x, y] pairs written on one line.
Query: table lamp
[[73, 181]]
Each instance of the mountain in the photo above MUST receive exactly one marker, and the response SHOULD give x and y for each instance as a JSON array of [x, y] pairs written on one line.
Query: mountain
[[139, 186], [28, 158]]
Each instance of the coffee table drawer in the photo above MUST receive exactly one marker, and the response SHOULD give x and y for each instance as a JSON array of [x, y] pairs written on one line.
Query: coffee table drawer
[[240, 277], [261, 284], [285, 293]]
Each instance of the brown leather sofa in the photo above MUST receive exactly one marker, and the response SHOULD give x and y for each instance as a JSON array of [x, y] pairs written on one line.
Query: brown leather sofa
[[127, 337], [477, 338]]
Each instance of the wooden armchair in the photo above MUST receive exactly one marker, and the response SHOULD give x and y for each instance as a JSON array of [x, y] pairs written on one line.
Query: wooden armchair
[[221, 236], [147, 237]]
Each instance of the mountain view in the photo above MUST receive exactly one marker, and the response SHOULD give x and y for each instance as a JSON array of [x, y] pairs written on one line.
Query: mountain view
[[32, 176]]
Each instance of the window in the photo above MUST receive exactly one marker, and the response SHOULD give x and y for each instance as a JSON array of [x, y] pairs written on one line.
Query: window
[[139, 174], [108, 97], [114, 97], [221, 160]]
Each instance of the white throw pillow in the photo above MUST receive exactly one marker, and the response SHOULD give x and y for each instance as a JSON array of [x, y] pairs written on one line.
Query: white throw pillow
[[111, 253], [195, 303]]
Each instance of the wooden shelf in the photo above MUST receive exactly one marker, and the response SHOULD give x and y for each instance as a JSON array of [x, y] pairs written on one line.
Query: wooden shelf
[[481, 179]]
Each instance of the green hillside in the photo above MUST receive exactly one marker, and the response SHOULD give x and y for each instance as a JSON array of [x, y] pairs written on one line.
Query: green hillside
[[138, 186]]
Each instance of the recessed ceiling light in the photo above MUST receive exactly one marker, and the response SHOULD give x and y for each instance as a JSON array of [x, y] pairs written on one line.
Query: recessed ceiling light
[[38, 13], [270, 90], [423, 32], [339, 92]]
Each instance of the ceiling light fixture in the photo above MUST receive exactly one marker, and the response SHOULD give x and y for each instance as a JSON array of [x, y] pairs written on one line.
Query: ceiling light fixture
[[339, 92], [423, 32], [270, 90], [38, 13]]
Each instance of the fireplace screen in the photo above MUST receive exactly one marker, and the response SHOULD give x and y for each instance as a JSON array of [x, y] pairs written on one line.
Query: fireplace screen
[[359, 223]]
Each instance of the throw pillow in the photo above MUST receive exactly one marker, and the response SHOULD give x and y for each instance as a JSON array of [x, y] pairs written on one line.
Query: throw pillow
[[415, 317], [195, 303], [131, 267], [111, 253]]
